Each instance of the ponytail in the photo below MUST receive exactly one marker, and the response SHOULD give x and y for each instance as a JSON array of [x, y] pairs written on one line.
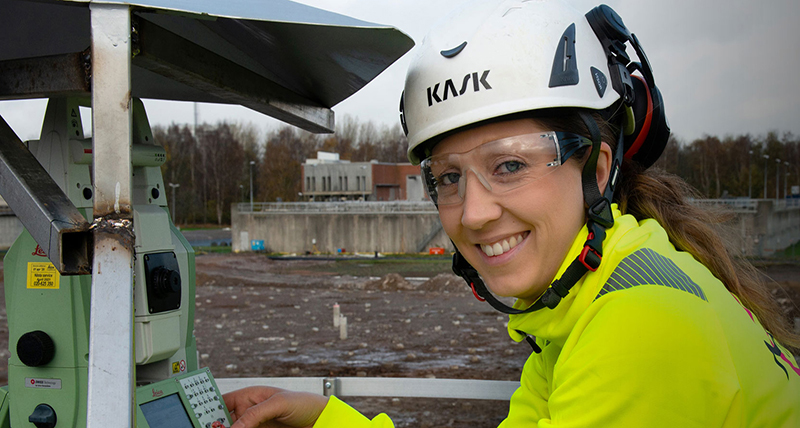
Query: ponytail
[[656, 194]]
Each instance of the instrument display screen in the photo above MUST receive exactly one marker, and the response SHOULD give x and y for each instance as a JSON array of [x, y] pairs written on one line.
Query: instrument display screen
[[167, 412]]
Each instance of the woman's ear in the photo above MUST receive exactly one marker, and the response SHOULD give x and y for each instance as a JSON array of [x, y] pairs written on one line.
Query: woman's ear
[[604, 166]]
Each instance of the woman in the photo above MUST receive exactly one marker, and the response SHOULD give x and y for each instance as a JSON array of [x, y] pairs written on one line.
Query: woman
[[534, 141]]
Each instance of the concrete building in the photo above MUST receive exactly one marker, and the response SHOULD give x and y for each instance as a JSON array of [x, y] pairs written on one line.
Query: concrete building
[[328, 179]]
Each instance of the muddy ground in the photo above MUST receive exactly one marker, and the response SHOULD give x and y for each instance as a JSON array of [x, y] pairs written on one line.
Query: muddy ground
[[257, 317]]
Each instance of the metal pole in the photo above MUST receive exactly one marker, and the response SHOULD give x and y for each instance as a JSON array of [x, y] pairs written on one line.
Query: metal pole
[[766, 158], [786, 181], [251, 184], [777, 178], [111, 376], [174, 186], [749, 175]]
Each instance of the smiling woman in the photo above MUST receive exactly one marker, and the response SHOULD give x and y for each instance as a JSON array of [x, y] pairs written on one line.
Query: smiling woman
[[539, 216], [636, 313]]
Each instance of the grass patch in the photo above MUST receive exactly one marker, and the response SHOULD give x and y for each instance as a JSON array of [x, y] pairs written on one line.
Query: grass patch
[[792, 252], [413, 265], [219, 249]]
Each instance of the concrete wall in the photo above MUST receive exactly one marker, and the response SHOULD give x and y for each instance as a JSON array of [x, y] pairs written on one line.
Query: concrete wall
[[399, 227], [757, 228]]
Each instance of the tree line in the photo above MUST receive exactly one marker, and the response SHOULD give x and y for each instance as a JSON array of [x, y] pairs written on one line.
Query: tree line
[[213, 164]]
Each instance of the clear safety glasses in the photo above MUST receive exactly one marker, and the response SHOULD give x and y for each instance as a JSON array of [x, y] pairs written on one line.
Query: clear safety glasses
[[500, 165]]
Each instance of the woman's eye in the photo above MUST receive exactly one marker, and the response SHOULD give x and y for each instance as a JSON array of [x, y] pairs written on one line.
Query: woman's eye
[[449, 178], [509, 167]]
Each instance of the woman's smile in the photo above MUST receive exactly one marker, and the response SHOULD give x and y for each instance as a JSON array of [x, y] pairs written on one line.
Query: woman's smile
[[502, 246]]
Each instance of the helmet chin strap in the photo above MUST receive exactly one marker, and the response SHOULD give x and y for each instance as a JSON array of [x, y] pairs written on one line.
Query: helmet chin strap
[[599, 218]]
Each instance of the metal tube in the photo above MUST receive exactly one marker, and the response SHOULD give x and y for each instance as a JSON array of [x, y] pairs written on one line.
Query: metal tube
[[384, 387], [42, 207], [111, 377], [777, 178]]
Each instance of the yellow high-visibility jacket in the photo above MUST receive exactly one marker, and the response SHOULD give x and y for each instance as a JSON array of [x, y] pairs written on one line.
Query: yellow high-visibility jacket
[[652, 339]]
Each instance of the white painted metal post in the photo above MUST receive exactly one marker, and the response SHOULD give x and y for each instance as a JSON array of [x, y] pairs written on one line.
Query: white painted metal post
[[111, 376]]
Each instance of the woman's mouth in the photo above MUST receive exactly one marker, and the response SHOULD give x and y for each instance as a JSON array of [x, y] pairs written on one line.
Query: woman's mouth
[[500, 247]]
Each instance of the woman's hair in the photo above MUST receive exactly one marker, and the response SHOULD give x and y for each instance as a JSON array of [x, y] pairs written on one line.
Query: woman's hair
[[654, 193]]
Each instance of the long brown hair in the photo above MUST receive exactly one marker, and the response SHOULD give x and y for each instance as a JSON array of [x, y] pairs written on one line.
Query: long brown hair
[[654, 193]]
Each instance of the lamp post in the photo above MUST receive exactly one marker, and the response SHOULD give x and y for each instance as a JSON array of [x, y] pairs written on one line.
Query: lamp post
[[766, 158], [786, 181], [251, 184], [777, 178], [174, 186], [749, 175]]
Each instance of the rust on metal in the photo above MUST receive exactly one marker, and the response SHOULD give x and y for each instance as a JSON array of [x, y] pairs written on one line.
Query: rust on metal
[[115, 228], [43, 77]]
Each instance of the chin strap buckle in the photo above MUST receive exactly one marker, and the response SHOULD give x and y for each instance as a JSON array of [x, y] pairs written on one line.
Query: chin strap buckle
[[590, 258], [592, 255]]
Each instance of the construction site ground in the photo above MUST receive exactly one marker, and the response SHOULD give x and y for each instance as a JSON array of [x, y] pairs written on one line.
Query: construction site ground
[[407, 317]]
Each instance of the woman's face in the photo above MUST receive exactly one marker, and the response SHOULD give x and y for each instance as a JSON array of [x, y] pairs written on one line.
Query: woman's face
[[534, 225]]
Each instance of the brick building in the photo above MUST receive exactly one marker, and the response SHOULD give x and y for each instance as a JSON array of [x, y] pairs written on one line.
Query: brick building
[[328, 178]]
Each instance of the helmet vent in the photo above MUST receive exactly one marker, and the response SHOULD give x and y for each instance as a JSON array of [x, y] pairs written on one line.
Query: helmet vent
[[565, 64], [450, 53]]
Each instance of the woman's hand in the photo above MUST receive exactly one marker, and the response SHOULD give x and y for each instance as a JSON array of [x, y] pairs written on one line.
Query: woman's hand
[[266, 407]]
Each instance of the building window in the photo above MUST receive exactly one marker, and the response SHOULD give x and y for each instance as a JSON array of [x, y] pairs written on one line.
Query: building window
[[308, 184], [345, 184], [340, 183], [313, 184]]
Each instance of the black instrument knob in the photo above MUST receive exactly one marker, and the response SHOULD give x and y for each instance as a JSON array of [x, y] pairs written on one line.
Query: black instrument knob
[[43, 416], [35, 348]]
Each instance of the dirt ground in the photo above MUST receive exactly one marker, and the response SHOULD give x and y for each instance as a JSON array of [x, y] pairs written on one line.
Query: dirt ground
[[257, 317]]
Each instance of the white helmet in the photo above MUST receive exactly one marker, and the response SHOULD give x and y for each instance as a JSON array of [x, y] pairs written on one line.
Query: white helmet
[[488, 59]]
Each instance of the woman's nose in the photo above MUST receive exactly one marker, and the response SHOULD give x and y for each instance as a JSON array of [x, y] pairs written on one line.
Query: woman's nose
[[478, 203]]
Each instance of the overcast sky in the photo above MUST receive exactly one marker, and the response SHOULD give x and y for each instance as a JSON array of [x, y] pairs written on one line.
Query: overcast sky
[[724, 67]]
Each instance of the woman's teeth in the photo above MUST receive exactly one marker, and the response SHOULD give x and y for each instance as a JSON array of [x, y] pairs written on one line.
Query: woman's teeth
[[501, 247]]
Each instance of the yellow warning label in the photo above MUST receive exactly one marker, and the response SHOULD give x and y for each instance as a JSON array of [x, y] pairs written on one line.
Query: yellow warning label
[[43, 275], [176, 367]]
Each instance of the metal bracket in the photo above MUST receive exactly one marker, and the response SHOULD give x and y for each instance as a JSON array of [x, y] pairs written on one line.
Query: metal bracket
[[331, 386]]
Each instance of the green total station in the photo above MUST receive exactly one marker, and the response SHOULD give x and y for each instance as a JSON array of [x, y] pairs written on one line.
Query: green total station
[[48, 314]]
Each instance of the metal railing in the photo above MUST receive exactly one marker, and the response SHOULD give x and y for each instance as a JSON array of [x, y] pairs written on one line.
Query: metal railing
[[747, 205], [338, 207], [468, 389], [737, 205]]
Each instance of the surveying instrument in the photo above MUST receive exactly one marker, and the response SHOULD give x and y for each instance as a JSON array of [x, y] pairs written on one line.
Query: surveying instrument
[[100, 286]]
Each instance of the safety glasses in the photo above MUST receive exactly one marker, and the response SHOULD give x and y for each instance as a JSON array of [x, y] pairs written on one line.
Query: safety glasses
[[500, 166]]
